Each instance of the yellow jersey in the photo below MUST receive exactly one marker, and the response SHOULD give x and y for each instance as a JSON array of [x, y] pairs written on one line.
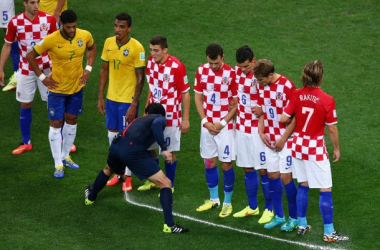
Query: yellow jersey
[[67, 58], [122, 61], [49, 6]]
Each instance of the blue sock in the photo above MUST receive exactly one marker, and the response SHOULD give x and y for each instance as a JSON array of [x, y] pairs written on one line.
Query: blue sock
[[166, 200], [228, 184], [170, 170], [302, 201], [251, 187], [99, 184], [212, 178], [275, 188], [265, 187], [291, 195], [327, 211], [25, 123], [15, 55]]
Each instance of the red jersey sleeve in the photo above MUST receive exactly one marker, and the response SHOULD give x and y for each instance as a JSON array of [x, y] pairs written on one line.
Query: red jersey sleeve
[[53, 24], [197, 83], [289, 109], [181, 78], [234, 86], [11, 32], [331, 117], [260, 100]]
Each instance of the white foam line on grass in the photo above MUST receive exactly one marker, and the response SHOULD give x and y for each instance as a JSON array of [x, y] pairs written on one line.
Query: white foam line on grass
[[311, 246]]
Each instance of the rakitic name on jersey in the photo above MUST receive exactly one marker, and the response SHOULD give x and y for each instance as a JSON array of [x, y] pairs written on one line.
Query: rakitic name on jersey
[[311, 98]]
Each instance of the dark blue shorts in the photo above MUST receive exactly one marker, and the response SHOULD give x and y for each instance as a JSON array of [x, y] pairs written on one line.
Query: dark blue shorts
[[115, 115], [59, 104], [125, 152]]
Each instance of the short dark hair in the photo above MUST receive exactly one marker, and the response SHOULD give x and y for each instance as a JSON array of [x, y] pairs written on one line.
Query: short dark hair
[[68, 16], [155, 108], [243, 54], [214, 50], [159, 40], [123, 16], [312, 74], [263, 68]]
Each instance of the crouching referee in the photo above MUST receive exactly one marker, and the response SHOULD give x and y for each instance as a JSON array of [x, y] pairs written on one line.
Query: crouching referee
[[130, 148]]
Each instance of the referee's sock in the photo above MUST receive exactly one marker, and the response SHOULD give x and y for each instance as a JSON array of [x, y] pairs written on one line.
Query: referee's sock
[[251, 187], [15, 55], [25, 123], [166, 200], [265, 187], [327, 211], [170, 170], [302, 202], [275, 187], [99, 184], [291, 195]]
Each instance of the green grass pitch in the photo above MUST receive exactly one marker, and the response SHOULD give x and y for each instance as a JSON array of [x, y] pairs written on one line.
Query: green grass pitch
[[38, 211]]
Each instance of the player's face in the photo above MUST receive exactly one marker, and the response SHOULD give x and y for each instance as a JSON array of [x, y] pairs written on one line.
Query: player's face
[[32, 7], [69, 29], [159, 54], [264, 81], [216, 64], [247, 66], [121, 30]]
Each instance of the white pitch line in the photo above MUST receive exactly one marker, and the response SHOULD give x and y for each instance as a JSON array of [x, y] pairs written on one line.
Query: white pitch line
[[311, 246]]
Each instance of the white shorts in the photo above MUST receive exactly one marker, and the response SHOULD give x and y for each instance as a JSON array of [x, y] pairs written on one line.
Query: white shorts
[[279, 161], [172, 137], [221, 145], [316, 173], [7, 12], [250, 151], [27, 85]]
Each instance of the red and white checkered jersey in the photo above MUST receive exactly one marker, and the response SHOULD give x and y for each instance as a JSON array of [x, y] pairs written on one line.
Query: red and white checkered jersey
[[313, 110], [248, 95], [28, 33], [167, 82], [218, 89], [273, 99]]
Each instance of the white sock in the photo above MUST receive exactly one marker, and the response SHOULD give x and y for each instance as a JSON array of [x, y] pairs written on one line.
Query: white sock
[[68, 134], [111, 135], [55, 145], [127, 171]]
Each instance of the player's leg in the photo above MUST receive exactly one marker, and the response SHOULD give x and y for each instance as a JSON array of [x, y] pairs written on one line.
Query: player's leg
[[302, 195], [172, 136], [148, 185], [92, 190], [25, 94]]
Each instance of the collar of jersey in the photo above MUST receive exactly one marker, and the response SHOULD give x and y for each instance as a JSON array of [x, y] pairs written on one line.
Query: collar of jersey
[[70, 40], [119, 46]]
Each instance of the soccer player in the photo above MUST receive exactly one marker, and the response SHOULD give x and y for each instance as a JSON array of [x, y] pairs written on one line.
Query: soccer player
[[275, 91], [131, 148], [250, 149], [53, 7], [28, 28], [313, 110], [66, 48], [123, 65], [168, 85], [7, 10], [215, 88]]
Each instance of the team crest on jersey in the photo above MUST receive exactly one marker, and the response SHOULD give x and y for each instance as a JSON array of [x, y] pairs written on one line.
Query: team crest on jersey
[[52, 111], [44, 27], [166, 78], [80, 42], [126, 52], [279, 95], [225, 80], [254, 81]]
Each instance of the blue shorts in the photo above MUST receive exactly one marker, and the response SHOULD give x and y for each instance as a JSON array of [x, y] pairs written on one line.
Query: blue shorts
[[59, 104], [125, 152], [115, 115]]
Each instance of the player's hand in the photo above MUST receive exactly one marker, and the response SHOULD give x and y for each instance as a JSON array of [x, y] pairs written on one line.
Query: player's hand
[[257, 111], [168, 156], [131, 113], [231, 105], [279, 145], [50, 83], [101, 106], [184, 127], [2, 76], [211, 128], [84, 78], [266, 141], [336, 155], [218, 126]]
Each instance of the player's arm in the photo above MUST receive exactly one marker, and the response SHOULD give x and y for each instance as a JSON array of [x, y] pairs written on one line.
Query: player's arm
[[158, 127], [104, 71], [185, 124], [334, 137], [280, 143], [131, 112], [58, 9], [198, 98], [262, 134], [90, 58], [220, 125], [46, 80], [285, 118], [5, 51]]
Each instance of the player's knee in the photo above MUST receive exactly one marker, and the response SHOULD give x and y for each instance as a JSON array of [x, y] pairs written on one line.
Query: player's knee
[[226, 166], [209, 163], [273, 175], [248, 170], [286, 178], [26, 105], [263, 171]]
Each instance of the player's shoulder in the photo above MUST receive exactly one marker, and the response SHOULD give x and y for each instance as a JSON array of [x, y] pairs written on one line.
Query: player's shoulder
[[176, 63], [44, 14], [283, 80], [228, 67], [83, 33], [135, 42]]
